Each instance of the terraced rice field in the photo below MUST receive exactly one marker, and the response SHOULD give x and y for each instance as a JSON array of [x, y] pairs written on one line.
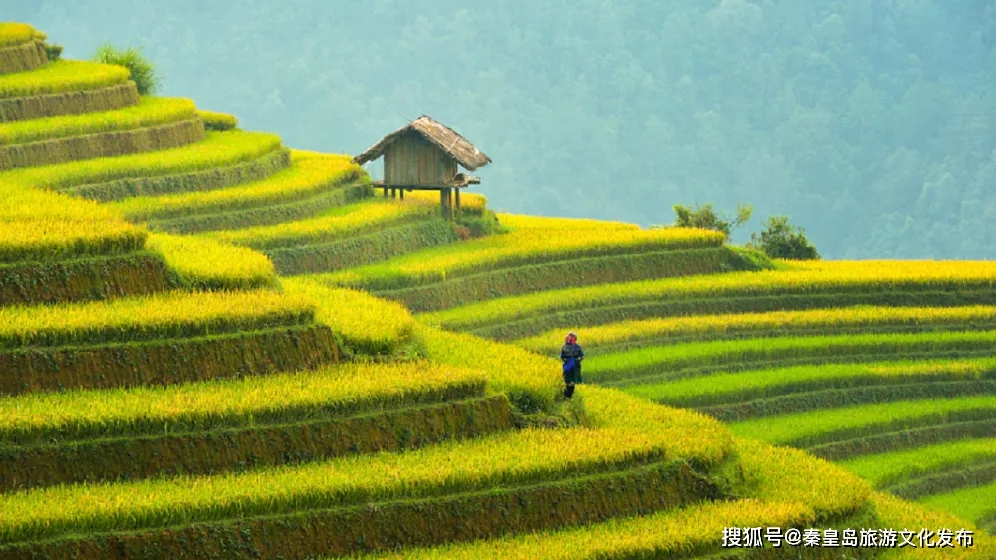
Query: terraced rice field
[[197, 363], [311, 185], [535, 256], [62, 76], [899, 388], [150, 111], [839, 284]]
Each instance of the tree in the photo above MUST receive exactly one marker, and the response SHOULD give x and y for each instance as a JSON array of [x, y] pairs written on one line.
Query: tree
[[782, 240], [706, 218], [143, 72]]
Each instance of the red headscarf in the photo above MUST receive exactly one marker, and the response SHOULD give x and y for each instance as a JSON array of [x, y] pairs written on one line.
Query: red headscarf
[[571, 338]]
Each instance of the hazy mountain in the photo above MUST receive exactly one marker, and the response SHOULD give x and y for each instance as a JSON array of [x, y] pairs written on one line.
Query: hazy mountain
[[870, 122]]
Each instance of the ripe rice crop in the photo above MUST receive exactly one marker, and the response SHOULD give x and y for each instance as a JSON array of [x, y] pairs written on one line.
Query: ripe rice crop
[[42, 226], [468, 201], [809, 427], [519, 222], [103, 144], [524, 457], [781, 474], [757, 384], [520, 247], [689, 434], [150, 111], [50, 239], [530, 381], [885, 469], [22, 202], [218, 149], [659, 535], [900, 514], [976, 504], [340, 389], [818, 321], [669, 361], [785, 488], [367, 324], [824, 277], [62, 76], [160, 315], [12, 33], [341, 222], [207, 264], [308, 176], [363, 248]]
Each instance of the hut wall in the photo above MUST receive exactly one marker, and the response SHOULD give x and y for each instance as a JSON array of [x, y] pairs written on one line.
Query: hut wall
[[413, 160]]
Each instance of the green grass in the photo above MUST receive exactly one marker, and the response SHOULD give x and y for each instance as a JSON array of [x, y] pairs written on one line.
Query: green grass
[[737, 387], [684, 360], [150, 111], [837, 278], [819, 426], [256, 400], [308, 176], [897, 466], [217, 150], [165, 315], [13, 33], [207, 264], [975, 504], [339, 223], [62, 76], [524, 457]]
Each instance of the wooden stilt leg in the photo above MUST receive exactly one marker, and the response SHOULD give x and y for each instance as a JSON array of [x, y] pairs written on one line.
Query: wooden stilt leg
[[457, 195]]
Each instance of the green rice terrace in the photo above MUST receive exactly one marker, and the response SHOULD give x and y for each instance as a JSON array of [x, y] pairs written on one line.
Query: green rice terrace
[[216, 346]]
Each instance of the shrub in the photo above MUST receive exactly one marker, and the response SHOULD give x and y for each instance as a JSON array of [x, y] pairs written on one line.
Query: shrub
[[782, 240], [218, 121], [53, 51], [142, 71], [480, 225], [706, 218]]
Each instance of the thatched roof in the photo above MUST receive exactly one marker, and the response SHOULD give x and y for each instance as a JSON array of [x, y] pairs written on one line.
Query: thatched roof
[[439, 134]]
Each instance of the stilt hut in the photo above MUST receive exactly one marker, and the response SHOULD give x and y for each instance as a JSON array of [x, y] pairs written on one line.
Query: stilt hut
[[423, 155]]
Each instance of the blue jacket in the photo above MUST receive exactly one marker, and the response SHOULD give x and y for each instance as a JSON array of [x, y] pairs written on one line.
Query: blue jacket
[[575, 351]]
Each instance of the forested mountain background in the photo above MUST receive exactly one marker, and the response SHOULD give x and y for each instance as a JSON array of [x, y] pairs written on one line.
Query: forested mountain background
[[872, 123]]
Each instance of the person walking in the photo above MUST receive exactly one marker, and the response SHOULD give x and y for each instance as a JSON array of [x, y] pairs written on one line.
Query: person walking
[[571, 354]]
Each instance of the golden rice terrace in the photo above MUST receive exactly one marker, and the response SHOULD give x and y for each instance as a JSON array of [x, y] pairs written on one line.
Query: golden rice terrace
[[215, 346]]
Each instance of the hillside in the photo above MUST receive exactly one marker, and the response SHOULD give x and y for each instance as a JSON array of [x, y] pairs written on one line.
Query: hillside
[[217, 346], [879, 115]]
